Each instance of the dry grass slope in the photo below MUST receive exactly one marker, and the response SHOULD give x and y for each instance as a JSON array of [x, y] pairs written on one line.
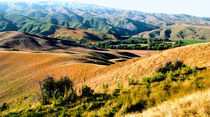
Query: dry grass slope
[[194, 55], [13, 40], [19, 70], [194, 105]]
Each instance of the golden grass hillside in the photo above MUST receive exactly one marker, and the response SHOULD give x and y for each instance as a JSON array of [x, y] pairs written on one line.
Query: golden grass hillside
[[193, 105], [20, 70], [194, 55]]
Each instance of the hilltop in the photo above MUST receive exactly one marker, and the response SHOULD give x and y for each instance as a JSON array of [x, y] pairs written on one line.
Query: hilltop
[[179, 32]]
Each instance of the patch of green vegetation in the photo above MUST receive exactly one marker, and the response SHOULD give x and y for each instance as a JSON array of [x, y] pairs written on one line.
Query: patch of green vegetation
[[4, 107], [190, 42], [172, 80], [139, 44]]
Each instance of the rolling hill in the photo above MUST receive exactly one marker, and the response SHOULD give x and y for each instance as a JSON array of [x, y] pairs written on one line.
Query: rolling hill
[[81, 36], [194, 55], [20, 70], [179, 32], [12, 40]]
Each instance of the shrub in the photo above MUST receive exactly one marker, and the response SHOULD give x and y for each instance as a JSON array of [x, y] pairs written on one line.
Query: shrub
[[154, 78], [4, 106], [146, 79], [169, 66], [178, 64], [157, 77], [48, 86], [64, 85], [119, 85], [138, 106], [200, 68], [86, 91], [56, 90], [186, 70], [105, 87], [132, 81]]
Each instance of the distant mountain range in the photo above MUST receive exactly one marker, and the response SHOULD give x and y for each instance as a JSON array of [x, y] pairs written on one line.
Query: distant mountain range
[[44, 18], [178, 32]]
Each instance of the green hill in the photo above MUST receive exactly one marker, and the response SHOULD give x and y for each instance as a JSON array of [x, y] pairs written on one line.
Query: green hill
[[89, 17], [179, 32]]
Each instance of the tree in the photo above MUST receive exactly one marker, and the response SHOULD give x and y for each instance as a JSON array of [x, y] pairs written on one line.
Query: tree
[[203, 38], [55, 89], [86, 91]]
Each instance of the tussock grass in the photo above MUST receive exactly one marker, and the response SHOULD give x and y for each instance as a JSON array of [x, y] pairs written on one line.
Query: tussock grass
[[193, 105]]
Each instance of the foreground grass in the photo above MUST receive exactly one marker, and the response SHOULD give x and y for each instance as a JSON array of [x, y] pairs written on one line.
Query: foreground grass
[[139, 96], [196, 104]]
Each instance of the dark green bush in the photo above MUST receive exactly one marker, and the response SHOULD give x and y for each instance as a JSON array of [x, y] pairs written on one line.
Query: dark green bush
[[86, 91], [200, 68], [48, 87], [146, 79], [64, 85], [4, 106], [59, 89], [169, 66], [155, 78], [178, 64], [139, 106]]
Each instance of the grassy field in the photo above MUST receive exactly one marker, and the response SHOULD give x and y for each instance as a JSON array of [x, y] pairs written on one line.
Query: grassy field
[[177, 81], [190, 42], [193, 105]]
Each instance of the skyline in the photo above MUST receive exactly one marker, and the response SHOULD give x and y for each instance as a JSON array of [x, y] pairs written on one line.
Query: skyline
[[197, 8]]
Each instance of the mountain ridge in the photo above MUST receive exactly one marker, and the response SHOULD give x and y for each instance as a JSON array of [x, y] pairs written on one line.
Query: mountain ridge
[[178, 32], [95, 18]]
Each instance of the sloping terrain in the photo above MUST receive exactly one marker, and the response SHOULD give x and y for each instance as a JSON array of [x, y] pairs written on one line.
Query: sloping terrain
[[81, 35], [193, 105], [20, 41], [179, 32], [194, 55], [20, 70]]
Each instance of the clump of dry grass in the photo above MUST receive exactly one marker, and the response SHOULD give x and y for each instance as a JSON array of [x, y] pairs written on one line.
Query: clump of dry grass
[[194, 105]]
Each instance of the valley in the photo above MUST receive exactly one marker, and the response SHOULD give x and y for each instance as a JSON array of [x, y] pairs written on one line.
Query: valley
[[73, 59]]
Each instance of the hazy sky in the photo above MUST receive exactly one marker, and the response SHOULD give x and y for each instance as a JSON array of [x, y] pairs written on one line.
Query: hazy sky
[[191, 7]]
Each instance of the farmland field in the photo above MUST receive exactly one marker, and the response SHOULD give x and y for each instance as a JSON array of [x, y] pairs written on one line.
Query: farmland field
[[190, 42]]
